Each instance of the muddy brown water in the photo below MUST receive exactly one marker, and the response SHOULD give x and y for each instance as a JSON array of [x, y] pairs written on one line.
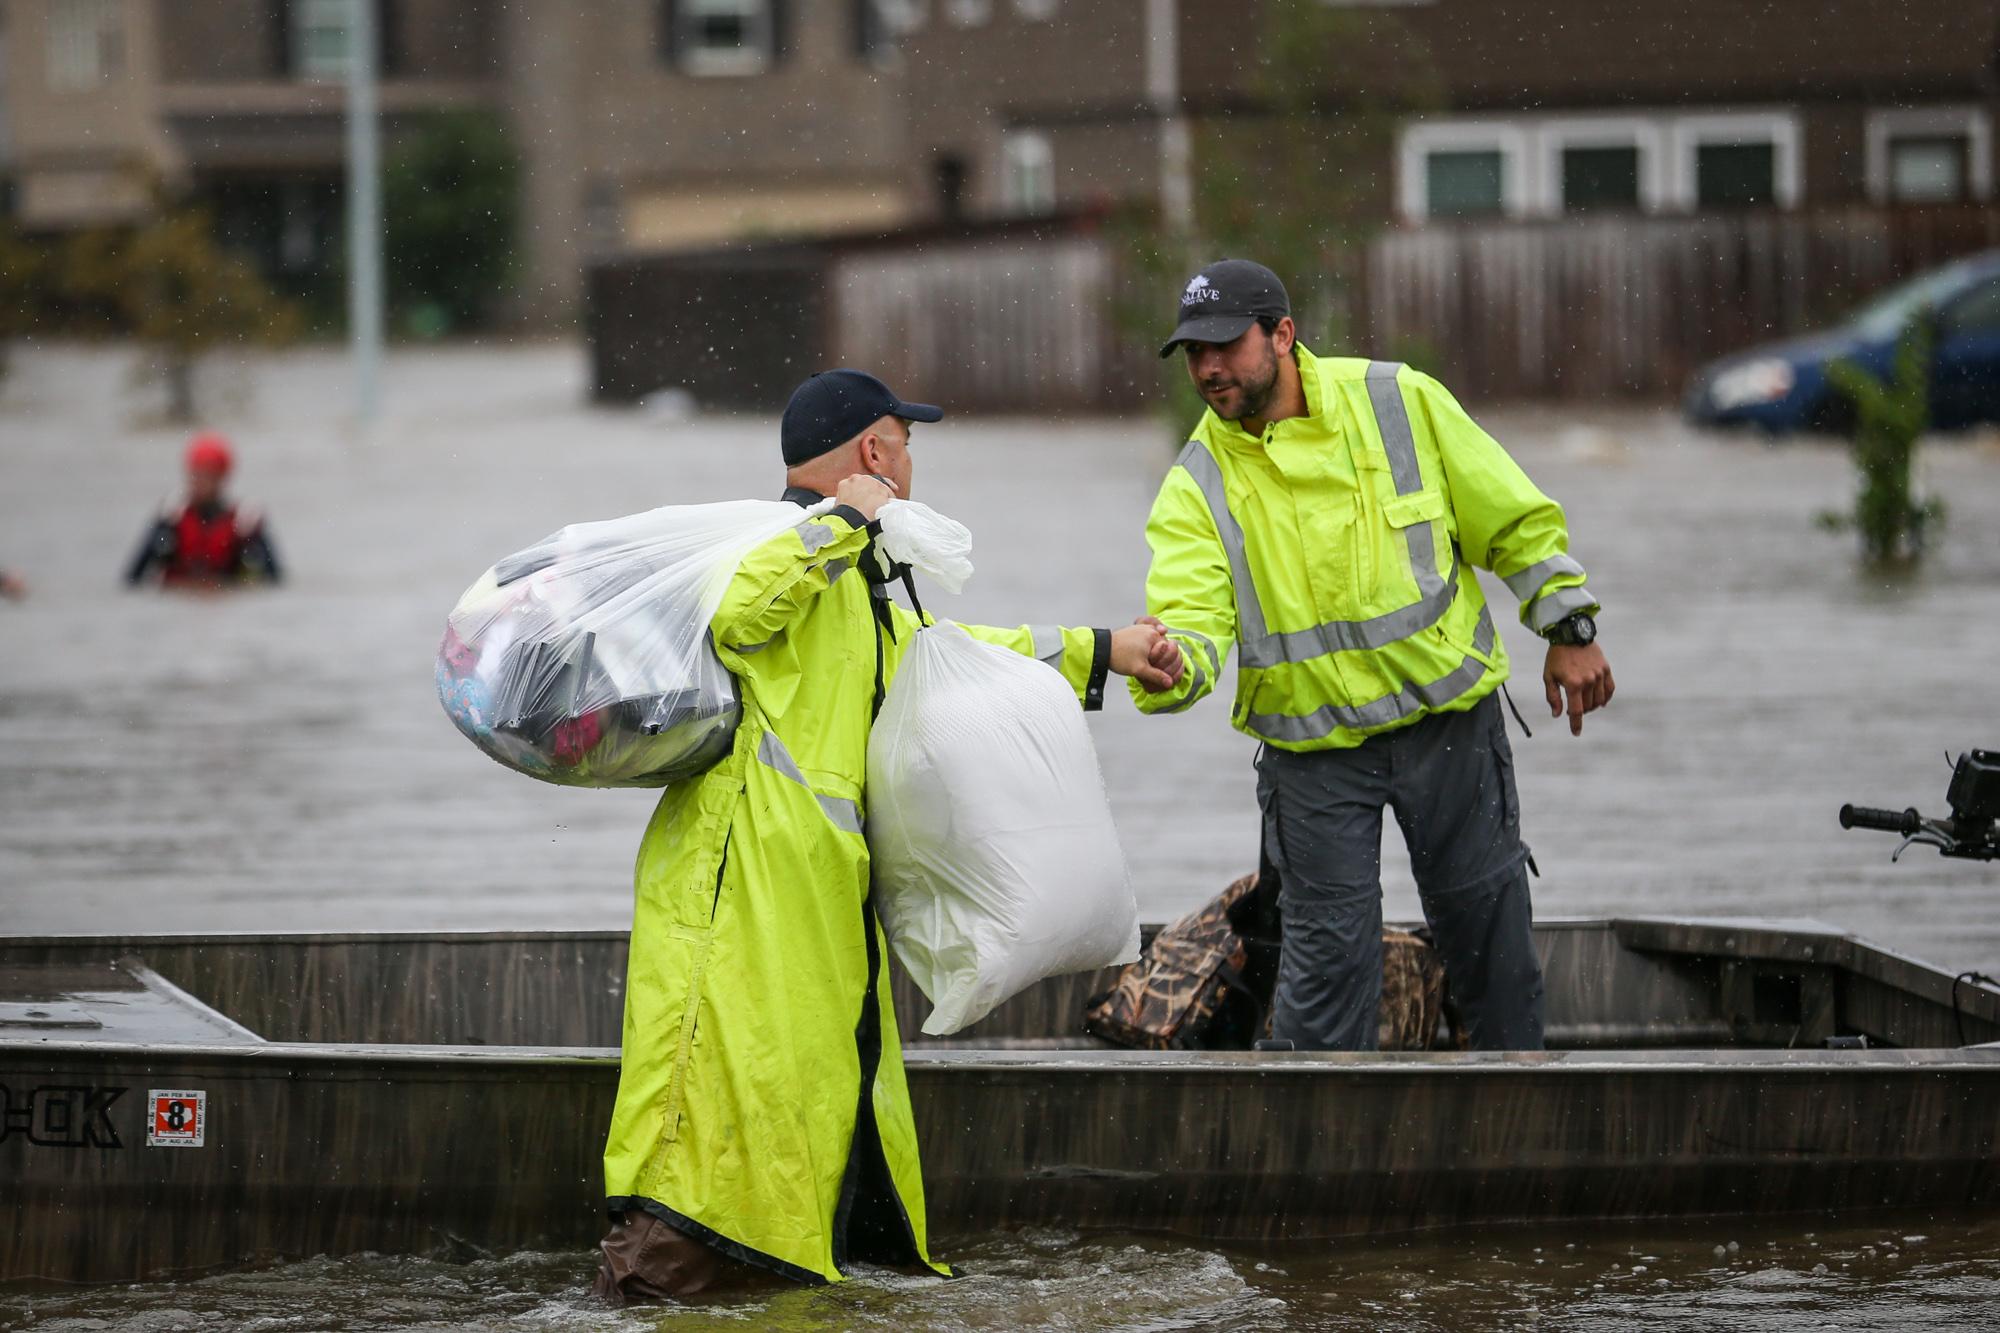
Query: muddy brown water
[[278, 761]]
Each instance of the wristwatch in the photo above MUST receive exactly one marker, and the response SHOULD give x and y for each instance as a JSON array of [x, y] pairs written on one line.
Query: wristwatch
[[1573, 630]]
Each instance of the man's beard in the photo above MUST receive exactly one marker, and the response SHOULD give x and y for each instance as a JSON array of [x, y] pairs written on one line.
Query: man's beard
[[1256, 393]]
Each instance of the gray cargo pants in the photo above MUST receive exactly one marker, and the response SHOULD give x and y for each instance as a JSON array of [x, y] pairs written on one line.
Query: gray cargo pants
[[1450, 780]]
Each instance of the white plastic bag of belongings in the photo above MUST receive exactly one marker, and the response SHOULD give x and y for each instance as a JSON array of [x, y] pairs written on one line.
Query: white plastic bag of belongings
[[916, 534], [586, 660], [996, 862]]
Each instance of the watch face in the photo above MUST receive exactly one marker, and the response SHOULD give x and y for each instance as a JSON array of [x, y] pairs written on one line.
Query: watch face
[[1582, 628]]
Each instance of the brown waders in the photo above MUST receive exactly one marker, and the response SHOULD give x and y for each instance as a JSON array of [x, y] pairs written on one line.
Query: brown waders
[[647, 1260]]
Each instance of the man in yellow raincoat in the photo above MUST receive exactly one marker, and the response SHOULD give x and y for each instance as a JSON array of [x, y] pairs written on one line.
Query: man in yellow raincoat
[[762, 1116]]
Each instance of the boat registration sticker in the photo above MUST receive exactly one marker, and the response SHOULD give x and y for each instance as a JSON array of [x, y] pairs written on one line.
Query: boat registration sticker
[[176, 1118]]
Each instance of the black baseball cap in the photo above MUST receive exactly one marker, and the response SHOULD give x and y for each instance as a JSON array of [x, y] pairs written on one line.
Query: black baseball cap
[[834, 406], [1224, 299]]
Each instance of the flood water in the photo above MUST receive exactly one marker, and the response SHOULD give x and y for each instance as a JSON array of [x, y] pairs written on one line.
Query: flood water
[[278, 761], [1901, 1273]]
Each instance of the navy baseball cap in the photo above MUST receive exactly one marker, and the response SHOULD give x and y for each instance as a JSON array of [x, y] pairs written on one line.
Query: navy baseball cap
[[834, 406], [1225, 299]]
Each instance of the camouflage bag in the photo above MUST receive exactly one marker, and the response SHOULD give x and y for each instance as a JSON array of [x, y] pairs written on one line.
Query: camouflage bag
[[1197, 987], [1172, 996]]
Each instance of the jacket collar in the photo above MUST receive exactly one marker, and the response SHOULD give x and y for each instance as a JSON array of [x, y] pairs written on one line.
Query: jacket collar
[[802, 496]]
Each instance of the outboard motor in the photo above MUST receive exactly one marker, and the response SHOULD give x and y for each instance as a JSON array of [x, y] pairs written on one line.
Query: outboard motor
[[1971, 832]]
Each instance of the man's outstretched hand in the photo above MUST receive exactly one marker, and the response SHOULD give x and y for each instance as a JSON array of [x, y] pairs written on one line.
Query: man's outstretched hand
[[1580, 673], [1143, 651]]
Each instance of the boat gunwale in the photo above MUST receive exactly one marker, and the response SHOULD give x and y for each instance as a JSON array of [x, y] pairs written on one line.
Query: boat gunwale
[[453, 936], [949, 1059], [1796, 941]]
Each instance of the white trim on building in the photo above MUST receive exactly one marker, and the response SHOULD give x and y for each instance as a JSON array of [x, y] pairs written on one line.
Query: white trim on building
[[1717, 129], [1971, 123], [1028, 172], [1509, 139], [695, 54], [86, 44], [1667, 146], [1557, 137]]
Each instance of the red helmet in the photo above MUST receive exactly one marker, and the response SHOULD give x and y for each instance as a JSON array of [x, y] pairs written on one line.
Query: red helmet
[[209, 453]]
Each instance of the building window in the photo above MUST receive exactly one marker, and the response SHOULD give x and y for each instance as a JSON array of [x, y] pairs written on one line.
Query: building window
[[322, 31], [1591, 164], [968, 13], [1599, 178], [901, 16], [1746, 160], [1462, 169], [721, 36], [1031, 173], [874, 38], [1036, 11], [1735, 175], [948, 181], [1465, 183], [1554, 165], [1928, 169], [1930, 155], [86, 43]]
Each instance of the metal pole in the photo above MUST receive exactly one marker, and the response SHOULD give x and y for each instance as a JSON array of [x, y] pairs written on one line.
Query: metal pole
[[364, 212], [1163, 92]]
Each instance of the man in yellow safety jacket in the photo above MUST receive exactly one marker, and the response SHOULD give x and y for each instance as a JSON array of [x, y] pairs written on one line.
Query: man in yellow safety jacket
[[1325, 519], [762, 1117]]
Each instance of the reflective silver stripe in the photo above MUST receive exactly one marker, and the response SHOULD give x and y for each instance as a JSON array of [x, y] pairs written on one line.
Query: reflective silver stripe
[[1546, 611], [771, 752], [1207, 474], [1527, 582], [815, 535], [1197, 682], [1349, 635], [1392, 419], [835, 568], [1048, 644], [1214, 657], [1412, 698]]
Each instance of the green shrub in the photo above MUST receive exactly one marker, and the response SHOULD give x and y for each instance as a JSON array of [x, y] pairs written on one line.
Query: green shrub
[[450, 212], [1890, 416]]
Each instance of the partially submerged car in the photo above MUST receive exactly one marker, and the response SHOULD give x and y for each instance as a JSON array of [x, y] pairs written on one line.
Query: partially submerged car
[[1784, 387]]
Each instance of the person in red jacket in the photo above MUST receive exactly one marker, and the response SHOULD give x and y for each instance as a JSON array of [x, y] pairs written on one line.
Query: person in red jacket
[[209, 541]]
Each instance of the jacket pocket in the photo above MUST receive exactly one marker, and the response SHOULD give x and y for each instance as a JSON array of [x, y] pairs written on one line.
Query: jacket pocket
[[1416, 507], [1400, 513]]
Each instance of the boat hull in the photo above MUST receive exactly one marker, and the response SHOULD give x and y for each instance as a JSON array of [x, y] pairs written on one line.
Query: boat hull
[[314, 1151], [447, 1095]]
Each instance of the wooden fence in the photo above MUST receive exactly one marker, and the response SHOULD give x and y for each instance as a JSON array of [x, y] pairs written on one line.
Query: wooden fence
[[1596, 308], [1021, 325], [994, 317], [1022, 316]]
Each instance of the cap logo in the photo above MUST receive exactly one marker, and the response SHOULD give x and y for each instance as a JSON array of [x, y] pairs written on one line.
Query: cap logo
[[1198, 291]]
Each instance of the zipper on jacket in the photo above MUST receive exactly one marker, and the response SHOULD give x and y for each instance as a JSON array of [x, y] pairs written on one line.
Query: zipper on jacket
[[716, 902]]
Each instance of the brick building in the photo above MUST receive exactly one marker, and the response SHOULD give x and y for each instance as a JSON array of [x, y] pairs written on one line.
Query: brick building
[[649, 124]]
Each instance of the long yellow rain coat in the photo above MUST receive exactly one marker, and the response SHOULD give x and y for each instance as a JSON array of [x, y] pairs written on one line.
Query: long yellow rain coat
[[762, 1106]]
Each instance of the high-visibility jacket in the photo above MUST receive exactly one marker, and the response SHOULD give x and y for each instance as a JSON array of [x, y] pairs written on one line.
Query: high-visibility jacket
[[761, 1103], [1334, 552]]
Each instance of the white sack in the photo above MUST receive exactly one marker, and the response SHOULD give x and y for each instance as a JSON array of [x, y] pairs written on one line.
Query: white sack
[[916, 535], [996, 862]]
